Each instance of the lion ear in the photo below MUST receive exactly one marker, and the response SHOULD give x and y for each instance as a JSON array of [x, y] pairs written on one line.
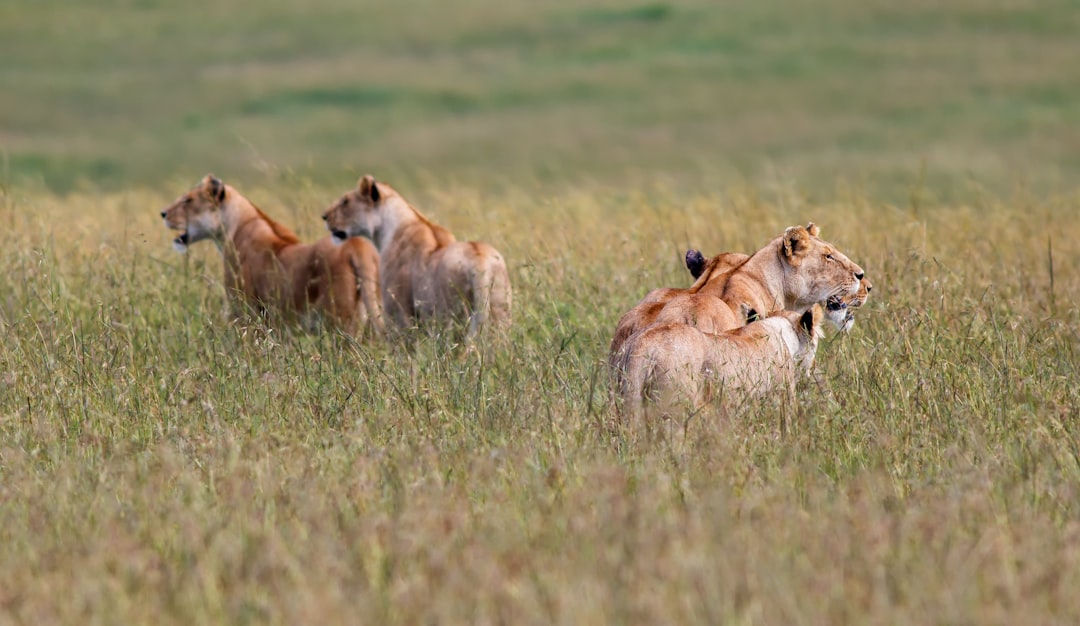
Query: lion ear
[[368, 187], [214, 188], [813, 229], [796, 244], [695, 262]]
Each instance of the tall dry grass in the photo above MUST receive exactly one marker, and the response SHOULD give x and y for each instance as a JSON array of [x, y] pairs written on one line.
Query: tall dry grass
[[158, 465]]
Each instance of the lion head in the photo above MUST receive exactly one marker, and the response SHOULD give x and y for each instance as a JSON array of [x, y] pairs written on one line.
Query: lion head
[[357, 214], [197, 213], [814, 267]]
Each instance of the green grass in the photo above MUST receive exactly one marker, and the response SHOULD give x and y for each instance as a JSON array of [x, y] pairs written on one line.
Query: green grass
[[130, 93], [161, 466]]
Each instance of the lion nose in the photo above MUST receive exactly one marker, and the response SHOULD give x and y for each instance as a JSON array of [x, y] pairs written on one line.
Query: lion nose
[[324, 217], [869, 288], [858, 275], [163, 214]]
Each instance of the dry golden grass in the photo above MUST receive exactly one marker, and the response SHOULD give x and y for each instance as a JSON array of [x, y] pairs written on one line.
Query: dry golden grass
[[159, 466]]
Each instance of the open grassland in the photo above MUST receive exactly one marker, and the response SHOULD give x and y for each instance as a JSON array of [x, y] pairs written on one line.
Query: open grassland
[[160, 466], [487, 92]]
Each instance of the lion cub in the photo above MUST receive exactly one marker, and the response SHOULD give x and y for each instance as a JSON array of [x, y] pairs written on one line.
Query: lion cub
[[677, 365]]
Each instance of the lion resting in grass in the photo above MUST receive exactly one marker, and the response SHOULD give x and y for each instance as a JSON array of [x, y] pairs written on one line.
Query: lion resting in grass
[[673, 366], [426, 273], [268, 269]]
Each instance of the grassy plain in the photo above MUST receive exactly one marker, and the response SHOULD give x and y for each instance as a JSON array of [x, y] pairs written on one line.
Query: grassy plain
[[158, 465], [128, 92]]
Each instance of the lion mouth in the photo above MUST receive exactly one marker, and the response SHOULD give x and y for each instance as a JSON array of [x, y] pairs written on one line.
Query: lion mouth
[[339, 236], [180, 244], [834, 303]]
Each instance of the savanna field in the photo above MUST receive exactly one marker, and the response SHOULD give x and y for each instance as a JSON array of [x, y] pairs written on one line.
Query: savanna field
[[159, 464]]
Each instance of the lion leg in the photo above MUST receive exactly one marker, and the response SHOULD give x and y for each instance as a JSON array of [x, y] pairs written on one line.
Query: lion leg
[[337, 300], [491, 298], [365, 289], [500, 296]]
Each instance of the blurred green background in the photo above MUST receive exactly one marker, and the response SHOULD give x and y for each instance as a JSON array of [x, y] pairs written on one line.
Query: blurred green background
[[881, 94]]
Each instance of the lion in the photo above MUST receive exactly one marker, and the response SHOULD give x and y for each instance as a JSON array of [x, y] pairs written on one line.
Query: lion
[[268, 269], [426, 273], [838, 310], [673, 364], [792, 272]]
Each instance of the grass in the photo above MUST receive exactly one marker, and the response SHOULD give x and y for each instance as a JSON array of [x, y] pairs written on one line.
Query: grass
[[131, 92], [159, 465]]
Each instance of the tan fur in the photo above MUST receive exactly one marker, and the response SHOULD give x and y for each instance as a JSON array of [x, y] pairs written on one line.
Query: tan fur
[[645, 312], [672, 366], [268, 269], [426, 273]]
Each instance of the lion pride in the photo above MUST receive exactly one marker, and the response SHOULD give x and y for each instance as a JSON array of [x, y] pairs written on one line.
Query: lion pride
[[427, 274], [268, 269]]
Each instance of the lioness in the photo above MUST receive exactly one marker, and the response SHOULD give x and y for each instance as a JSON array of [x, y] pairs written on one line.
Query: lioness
[[792, 272], [426, 273], [266, 266], [674, 364], [838, 310]]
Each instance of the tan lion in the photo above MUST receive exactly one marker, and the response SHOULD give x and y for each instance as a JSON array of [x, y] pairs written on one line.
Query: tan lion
[[426, 273], [673, 366], [793, 272], [268, 269], [838, 310]]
